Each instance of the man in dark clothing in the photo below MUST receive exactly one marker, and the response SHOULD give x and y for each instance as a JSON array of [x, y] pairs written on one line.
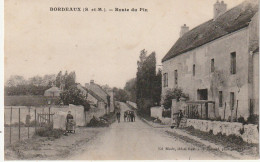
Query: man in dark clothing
[[180, 115], [125, 116], [118, 116]]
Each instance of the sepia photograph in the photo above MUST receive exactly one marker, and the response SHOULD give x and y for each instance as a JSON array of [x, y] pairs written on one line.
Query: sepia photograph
[[131, 80]]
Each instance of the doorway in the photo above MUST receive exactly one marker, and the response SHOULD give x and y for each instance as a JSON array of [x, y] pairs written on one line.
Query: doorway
[[202, 94]]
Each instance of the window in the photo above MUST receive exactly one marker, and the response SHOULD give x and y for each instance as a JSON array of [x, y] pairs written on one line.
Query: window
[[165, 79], [220, 99], [232, 100], [175, 77], [212, 65], [193, 70], [233, 63]]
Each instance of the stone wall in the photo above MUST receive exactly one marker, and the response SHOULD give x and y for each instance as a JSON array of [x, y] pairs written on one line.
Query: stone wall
[[156, 112], [94, 112], [250, 134], [59, 117]]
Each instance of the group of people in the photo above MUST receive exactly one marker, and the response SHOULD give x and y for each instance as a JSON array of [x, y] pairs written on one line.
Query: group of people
[[129, 116]]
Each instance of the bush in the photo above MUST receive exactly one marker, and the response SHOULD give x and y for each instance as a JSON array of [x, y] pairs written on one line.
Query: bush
[[103, 121], [48, 131], [235, 139], [218, 119], [190, 128], [144, 105], [242, 131], [241, 120], [253, 119], [175, 93], [166, 113]]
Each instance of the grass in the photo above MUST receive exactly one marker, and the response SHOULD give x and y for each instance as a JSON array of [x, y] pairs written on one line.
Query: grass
[[231, 142], [48, 131]]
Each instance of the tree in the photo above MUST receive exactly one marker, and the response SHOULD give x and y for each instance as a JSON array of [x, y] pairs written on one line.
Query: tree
[[130, 88], [157, 89], [70, 80], [59, 79], [145, 81], [120, 95], [16, 80], [74, 96]]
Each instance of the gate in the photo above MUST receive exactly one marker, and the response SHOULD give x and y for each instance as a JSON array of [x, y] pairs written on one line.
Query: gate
[[44, 119]]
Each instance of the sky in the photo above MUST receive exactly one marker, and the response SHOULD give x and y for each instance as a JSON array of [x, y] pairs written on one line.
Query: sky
[[103, 46]]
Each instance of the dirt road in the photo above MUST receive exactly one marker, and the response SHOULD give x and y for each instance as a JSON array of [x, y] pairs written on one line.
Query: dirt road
[[137, 140]]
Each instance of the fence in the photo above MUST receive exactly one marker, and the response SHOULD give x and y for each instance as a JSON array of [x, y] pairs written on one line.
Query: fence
[[22, 122]]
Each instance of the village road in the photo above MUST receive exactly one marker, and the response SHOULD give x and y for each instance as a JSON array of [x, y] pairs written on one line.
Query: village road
[[137, 140]]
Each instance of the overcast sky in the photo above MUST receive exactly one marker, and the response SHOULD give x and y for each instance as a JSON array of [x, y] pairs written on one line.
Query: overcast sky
[[103, 46]]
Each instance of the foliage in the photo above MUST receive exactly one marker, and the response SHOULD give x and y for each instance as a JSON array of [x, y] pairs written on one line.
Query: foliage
[[130, 88], [241, 120], [103, 121], [241, 131], [28, 89], [253, 119], [66, 80], [157, 88], [175, 93], [49, 132], [166, 113], [120, 95], [18, 85], [148, 84], [231, 142], [74, 96]]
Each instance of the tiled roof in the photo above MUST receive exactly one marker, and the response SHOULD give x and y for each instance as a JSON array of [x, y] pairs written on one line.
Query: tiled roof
[[98, 90], [230, 21]]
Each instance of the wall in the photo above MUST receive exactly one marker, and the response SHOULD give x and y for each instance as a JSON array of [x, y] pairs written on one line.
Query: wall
[[76, 111], [254, 61], [256, 82], [156, 112], [94, 112], [250, 134], [221, 79]]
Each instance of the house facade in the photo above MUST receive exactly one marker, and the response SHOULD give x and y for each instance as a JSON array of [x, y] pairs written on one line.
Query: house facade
[[104, 99], [218, 61]]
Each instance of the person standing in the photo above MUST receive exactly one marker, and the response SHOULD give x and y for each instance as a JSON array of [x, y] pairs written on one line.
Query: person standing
[[118, 114], [125, 116], [69, 123], [180, 115]]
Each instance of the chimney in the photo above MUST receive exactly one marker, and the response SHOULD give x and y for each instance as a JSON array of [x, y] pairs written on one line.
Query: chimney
[[184, 29], [91, 81], [219, 8]]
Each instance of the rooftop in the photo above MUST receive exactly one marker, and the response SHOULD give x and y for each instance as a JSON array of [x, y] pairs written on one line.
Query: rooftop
[[232, 20]]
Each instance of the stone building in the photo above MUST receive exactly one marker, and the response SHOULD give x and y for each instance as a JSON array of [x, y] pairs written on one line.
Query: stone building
[[217, 61], [101, 93]]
